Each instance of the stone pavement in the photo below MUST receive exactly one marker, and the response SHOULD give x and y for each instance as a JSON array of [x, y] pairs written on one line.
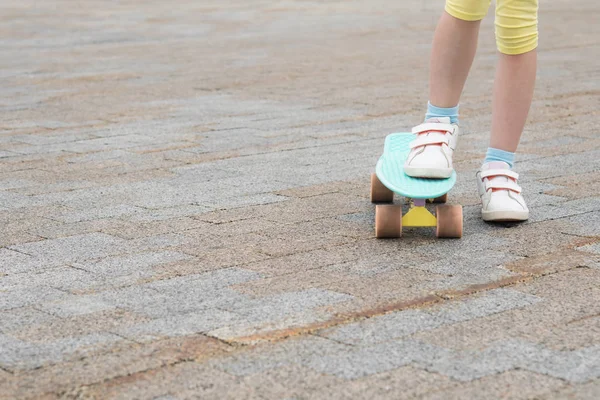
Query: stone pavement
[[184, 208]]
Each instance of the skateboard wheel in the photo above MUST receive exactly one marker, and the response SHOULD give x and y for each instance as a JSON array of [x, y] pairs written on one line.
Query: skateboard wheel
[[441, 199], [380, 193], [388, 221], [449, 221]]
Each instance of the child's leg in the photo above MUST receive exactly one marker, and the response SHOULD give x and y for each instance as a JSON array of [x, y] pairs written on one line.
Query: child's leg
[[513, 92], [517, 37], [453, 50]]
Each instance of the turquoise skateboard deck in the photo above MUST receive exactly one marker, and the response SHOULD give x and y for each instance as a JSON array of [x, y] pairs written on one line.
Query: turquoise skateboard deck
[[390, 171], [389, 178]]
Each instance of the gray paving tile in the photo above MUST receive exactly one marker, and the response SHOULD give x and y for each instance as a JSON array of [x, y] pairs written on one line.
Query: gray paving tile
[[405, 323], [74, 248], [23, 355], [130, 264], [178, 325], [17, 298]]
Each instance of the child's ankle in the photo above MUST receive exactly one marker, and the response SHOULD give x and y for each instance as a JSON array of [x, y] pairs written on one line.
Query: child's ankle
[[440, 112], [499, 155]]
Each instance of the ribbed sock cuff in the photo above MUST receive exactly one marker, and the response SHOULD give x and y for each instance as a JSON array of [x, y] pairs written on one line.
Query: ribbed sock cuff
[[439, 112], [499, 155]]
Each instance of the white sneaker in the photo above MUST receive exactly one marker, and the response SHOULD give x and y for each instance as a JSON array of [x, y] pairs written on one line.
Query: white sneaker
[[432, 150], [500, 195]]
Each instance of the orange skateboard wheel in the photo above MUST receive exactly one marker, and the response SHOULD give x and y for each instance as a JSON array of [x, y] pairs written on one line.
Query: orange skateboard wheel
[[380, 193], [388, 221], [449, 221]]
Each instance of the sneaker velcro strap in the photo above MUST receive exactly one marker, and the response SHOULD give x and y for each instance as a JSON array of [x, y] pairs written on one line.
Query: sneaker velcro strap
[[430, 138], [433, 126], [508, 185], [499, 172]]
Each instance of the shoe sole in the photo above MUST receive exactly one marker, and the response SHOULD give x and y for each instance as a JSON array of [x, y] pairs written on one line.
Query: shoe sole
[[504, 216], [432, 173]]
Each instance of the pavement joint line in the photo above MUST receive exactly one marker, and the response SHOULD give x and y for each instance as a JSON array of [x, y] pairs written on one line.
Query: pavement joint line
[[589, 240], [529, 276], [123, 376], [582, 318], [6, 370], [351, 317], [299, 148], [341, 319], [593, 239], [564, 216]]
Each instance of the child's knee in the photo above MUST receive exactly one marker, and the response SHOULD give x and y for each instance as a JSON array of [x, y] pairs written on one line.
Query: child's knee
[[468, 10], [516, 26]]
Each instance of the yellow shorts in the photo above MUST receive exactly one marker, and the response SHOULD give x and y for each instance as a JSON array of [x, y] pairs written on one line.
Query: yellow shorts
[[516, 21]]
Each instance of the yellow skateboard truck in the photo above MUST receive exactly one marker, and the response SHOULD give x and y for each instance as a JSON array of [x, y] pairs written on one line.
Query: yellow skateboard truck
[[418, 216]]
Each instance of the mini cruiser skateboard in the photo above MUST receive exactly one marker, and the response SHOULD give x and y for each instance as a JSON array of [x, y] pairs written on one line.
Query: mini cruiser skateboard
[[389, 178]]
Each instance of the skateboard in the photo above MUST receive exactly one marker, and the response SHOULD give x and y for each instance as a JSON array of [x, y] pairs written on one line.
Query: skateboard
[[389, 178]]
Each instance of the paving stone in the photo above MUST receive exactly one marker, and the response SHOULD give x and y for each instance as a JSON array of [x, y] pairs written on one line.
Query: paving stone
[[576, 186], [63, 278], [238, 256], [74, 248], [507, 385], [491, 265], [290, 381], [301, 261], [76, 306], [234, 214], [317, 190], [374, 265], [185, 380], [179, 325], [156, 242], [214, 279], [14, 200], [23, 355], [469, 245], [587, 391], [220, 239], [537, 239], [98, 213], [20, 318], [9, 239], [6, 154], [141, 263], [282, 312], [401, 285], [24, 297], [50, 328], [577, 366], [168, 213], [287, 283], [294, 351], [402, 383], [179, 295], [278, 306], [12, 261], [130, 359], [553, 262], [585, 224], [135, 230], [561, 321], [14, 184], [575, 334], [408, 322]]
